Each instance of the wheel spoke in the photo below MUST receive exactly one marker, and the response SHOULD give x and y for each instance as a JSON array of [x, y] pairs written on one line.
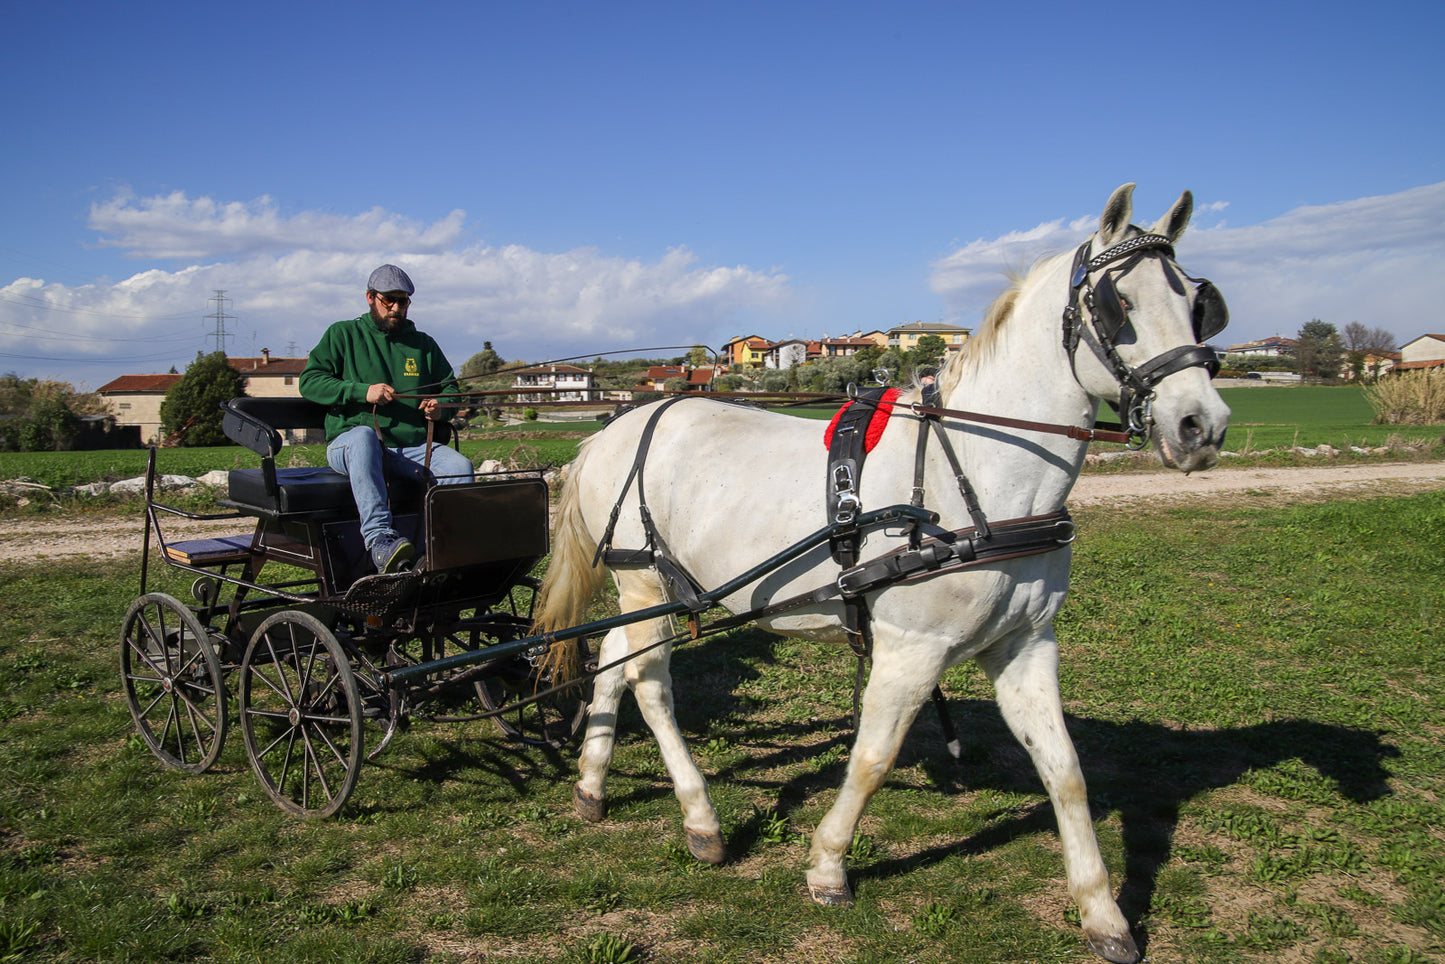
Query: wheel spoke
[[173, 683], [300, 714]]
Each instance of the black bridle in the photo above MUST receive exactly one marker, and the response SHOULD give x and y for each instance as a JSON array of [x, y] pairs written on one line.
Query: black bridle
[[1108, 314]]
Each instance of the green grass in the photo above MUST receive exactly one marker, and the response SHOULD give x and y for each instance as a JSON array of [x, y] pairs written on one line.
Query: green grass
[[1272, 417], [60, 469], [1256, 696]]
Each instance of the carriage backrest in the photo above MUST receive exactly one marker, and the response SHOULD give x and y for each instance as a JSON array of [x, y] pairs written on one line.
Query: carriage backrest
[[257, 423]]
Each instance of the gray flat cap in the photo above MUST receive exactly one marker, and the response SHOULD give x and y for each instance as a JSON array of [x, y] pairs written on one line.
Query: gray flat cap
[[390, 278]]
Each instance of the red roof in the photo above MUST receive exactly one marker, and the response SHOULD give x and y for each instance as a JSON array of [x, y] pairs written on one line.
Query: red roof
[[263, 365], [138, 383]]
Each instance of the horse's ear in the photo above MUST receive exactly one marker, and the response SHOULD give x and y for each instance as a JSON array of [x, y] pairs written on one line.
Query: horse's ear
[[1115, 219], [1172, 225]]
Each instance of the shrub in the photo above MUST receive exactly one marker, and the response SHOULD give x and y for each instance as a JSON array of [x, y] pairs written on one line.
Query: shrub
[[1412, 398]]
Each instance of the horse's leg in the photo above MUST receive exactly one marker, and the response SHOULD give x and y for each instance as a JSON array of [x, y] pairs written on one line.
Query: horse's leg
[[590, 793], [897, 687], [651, 682], [1025, 674]]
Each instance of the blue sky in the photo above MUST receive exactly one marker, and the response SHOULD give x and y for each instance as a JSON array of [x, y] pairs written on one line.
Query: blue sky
[[566, 179]]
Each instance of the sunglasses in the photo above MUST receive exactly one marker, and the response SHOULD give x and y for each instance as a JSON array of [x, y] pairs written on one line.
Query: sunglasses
[[392, 301]]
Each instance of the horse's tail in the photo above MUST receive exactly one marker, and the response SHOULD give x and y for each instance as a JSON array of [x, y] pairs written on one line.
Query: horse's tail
[[571, 581]]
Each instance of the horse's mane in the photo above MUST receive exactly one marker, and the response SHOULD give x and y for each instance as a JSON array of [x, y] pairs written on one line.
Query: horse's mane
[[979, 348]]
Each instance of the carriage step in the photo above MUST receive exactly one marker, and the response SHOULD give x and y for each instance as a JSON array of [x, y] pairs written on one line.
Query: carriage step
[[210, 552]]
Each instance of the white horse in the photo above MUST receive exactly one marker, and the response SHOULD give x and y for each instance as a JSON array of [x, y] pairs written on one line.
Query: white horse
[[729, 486]]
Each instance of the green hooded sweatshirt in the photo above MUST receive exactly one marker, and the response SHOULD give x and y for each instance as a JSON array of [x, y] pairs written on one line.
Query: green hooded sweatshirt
[[354, 355]]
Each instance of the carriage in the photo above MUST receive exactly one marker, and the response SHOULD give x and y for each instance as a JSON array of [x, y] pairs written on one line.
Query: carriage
[[967, 558], [292, 621]]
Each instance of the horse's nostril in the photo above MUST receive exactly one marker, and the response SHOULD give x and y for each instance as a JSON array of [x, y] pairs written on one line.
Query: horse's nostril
[[1191, 432]]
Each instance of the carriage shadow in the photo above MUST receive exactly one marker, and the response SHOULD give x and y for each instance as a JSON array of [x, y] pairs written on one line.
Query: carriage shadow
[[478, 762]]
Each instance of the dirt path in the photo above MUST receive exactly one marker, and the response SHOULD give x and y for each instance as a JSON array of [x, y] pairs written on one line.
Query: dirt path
[[111, 536]]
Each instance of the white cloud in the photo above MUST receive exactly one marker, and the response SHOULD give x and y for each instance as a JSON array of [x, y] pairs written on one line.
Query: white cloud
[[1374, 260], [176, 226], [288, 277]]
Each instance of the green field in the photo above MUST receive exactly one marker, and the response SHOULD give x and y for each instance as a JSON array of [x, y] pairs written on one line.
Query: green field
[[1255, 693], [1272, 417]]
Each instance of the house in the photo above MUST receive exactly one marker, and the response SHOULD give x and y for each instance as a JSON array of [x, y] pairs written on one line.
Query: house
[[135, 400], [1376, 363], [905, 337], [1426, 352], [555, 383], [782, 355], [268, 377], [746, 350], [1273, 347], [843, 347], [698, 379]]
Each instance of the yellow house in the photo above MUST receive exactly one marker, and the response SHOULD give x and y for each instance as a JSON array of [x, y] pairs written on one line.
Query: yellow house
[[905, 337], [747, 350]]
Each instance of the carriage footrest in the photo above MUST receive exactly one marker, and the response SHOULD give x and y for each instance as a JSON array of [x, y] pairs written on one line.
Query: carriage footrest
[[382, 595], [210, 552]]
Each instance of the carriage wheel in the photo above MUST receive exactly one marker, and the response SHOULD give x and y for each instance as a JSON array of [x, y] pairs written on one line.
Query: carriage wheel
[[301, 715], [173, 682], [551, 721]]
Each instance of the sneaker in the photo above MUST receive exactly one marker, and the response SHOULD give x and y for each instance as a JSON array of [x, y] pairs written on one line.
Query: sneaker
[[391, 552]]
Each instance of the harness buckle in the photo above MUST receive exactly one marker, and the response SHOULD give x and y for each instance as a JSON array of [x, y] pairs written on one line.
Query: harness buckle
[[845, 489], [1139, 423]]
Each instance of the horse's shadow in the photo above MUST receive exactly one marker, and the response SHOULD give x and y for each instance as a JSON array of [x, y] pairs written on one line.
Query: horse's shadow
[[1148, 772]]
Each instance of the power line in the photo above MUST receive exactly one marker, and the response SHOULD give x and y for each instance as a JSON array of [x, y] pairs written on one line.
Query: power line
[[57, 334], [30, 301]]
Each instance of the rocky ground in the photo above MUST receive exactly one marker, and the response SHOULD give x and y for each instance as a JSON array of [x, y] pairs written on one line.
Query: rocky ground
[[108, 536]]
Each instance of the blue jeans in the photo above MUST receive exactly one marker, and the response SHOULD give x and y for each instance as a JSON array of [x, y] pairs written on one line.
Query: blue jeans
[[359, 455]]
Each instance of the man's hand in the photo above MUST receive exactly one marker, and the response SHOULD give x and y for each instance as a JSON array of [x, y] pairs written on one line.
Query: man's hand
[[380, 393], [430, 408]]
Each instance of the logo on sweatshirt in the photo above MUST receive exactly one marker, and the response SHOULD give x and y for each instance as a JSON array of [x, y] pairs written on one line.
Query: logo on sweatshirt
[[411, 368]]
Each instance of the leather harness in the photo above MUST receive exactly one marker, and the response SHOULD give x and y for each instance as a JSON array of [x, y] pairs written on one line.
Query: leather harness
[[928, 553]]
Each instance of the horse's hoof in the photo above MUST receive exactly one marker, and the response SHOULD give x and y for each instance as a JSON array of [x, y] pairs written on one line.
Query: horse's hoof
[[1118, 950], [707, 847], [831, 896], [589, 808]]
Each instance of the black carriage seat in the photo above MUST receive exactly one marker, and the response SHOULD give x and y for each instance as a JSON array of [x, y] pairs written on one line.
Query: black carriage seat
[[278, 492]]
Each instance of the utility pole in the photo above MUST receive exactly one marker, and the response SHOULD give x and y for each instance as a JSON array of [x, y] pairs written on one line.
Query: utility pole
[[220, 318]]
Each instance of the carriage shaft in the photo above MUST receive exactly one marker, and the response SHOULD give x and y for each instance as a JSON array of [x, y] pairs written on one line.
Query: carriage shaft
[[866, 520]]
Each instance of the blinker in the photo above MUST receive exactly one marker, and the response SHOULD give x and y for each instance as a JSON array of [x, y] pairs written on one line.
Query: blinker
[[1211, 315], [1109, 313]]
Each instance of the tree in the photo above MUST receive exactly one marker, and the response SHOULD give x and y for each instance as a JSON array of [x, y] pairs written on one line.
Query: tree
[[1362, 338], [192, 408], [43, 416], [1318, 350], [928, 352], [484, 362]]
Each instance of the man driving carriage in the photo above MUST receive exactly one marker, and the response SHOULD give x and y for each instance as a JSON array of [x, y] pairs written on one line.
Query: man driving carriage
[[371, 372]]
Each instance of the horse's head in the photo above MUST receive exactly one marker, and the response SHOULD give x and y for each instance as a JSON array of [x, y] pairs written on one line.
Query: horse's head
[[1145, 323]]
